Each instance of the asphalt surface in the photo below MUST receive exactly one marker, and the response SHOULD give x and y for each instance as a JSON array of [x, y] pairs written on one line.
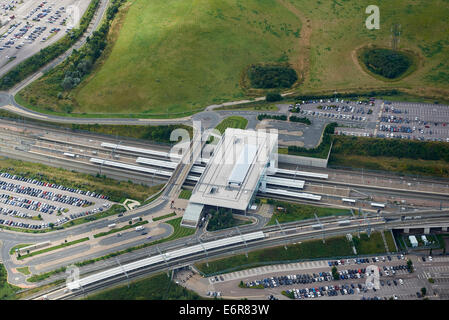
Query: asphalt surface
[[30, 49]]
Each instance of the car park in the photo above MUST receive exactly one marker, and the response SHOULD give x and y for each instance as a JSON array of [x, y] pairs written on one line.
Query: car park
[[30, 195]]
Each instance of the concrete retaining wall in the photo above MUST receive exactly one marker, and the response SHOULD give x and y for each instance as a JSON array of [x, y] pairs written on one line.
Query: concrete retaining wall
[[34, 247], [302, 161]]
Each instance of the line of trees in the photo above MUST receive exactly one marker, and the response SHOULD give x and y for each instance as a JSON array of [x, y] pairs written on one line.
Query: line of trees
[[46, 55], [282, 117], [80, 63], [378, 147], [300, 119]]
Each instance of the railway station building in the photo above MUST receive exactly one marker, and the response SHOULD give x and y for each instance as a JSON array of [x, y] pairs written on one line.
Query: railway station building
[[236, 170]]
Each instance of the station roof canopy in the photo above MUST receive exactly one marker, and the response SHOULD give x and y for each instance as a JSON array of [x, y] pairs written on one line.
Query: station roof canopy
[[192, 214], [232, 174]]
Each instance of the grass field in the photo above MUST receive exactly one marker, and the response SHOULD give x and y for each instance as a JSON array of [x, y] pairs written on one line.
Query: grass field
[[165, 216], [158, 287], [185, 194], [232, 122], [295, 212], [24, 270], [338, 31], [179, 232], [372, 245], [7, 291], [390, 241], [172, 58]]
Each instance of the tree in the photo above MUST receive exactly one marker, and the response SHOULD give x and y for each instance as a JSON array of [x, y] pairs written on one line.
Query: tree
[[67, 83], [410, 265], [273, 96], [52, 225], [335, 273], [423, 291]]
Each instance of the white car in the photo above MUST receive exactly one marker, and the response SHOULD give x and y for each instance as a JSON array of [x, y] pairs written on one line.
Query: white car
[[430, 258]]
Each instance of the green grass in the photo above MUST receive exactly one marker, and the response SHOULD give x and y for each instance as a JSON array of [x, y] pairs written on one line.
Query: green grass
[[165, 216], [289, 295], [160, 134], [157, 287], [313, 249], [390, 241], [7, 291], [372, 245], [427, 158], [62, 245], [129, 226], [338, 29], [185, 194], [179, 232], [43, 276], [232, 122], [13, 249], [24, 270], [295, 212], [199, 50]]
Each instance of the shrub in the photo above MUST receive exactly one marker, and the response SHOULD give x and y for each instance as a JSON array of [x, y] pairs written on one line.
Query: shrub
[[301, 120], [260, 117], [385, 62], [272, 76], [273, 96]]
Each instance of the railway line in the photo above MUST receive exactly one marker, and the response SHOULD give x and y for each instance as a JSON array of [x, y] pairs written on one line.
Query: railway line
[[272, 238], [154, 162]]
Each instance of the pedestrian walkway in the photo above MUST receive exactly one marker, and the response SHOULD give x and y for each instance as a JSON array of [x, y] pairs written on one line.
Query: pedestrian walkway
[[441, 259], [272, 269], [439, 269]]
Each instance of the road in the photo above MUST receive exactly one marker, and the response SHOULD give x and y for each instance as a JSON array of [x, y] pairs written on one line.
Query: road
[[273, 238]]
